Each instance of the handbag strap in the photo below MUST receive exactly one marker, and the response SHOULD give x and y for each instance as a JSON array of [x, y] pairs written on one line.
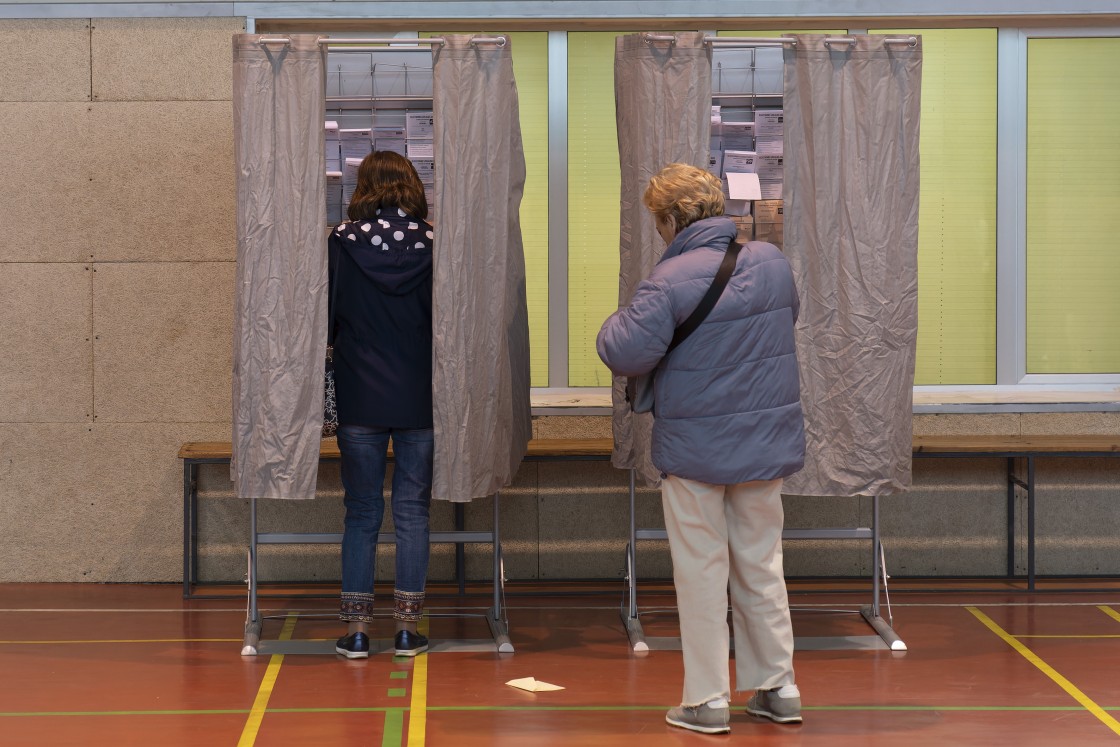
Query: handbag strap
[[708, 302]]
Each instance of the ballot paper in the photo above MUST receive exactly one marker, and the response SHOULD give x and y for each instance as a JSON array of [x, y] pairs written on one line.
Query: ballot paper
[[349, 178], [534, 686], [335, 208], [419, 125], [769, 121], [740, 161], [390, 139], [770, 174], [354, 143], [742, 186], [715, 162], [737, 135], [331, 146], [420, 149], [769, 135]]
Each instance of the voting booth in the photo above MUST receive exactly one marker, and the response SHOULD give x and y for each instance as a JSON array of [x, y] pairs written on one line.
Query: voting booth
[[816, 140]]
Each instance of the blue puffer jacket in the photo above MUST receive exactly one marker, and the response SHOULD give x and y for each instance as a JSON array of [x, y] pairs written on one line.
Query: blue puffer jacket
[[727, 404]]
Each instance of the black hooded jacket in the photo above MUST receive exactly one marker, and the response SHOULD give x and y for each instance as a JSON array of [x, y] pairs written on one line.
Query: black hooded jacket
[[382, 320]]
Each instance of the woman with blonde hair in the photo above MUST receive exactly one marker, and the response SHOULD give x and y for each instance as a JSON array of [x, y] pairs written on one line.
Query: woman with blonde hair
[[380, 264], [727, 427]]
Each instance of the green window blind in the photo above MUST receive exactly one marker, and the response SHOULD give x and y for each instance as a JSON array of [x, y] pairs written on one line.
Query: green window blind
[[593, 201], [1073, 185], [957, 213]]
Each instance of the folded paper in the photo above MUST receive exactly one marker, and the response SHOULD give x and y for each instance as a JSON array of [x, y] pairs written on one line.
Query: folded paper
[[534, 686]]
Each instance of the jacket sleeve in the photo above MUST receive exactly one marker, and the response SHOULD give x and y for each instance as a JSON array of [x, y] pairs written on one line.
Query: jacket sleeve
[[633, 340]]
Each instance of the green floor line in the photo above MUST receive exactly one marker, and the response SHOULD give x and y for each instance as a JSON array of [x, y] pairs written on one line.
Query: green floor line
[[400, 711], [393, 735]]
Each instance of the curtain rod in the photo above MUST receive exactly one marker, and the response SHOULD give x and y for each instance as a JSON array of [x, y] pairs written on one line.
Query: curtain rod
[[771, 41], [349, 43]]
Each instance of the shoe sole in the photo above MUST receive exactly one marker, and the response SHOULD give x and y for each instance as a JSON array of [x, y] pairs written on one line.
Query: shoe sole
[[411, 651], [697, 727], [774, 717], [351, 654]]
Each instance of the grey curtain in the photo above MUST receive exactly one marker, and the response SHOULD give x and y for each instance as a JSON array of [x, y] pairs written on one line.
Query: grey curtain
[[280, 307], [851, 191], [480, 316], [663, 98]]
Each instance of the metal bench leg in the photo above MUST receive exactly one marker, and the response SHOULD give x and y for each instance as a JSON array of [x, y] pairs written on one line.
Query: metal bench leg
[[495, 616], [189, 488], [630, 613], [253, 616]]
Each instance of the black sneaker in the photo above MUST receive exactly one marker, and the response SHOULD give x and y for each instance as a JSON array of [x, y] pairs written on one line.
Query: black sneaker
[[353, 646], [409, 644]]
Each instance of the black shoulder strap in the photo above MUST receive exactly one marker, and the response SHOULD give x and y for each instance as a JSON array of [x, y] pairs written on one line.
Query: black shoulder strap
[[708, 302]]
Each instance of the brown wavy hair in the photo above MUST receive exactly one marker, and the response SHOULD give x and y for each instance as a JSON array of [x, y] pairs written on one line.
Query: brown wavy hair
[[387, 179]]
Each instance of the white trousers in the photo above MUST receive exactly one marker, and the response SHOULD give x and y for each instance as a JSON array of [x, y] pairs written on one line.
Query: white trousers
[[720, 534]]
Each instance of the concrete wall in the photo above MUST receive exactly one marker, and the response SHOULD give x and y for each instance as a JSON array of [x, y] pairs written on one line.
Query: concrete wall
[[116, 278]]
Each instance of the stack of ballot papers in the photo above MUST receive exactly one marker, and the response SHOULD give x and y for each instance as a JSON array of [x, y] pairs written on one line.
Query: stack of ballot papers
[[331, 140], [739, 180], [768, 221], [354, 144], [769, 132], [336, 209], [389, 138], [349, 178], [770, 175]]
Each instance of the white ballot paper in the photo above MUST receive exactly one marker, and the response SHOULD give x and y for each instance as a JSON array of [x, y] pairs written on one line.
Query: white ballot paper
[[534, 686], [742, 186], [740, 161], [770, 139], [330, 141], [421, 149], [419, 125]]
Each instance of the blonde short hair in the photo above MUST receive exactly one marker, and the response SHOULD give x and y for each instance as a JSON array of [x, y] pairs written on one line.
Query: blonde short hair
[[684, 193]]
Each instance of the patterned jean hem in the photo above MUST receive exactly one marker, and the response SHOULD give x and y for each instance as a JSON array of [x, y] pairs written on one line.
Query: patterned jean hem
[[408, 605], [356, 606]]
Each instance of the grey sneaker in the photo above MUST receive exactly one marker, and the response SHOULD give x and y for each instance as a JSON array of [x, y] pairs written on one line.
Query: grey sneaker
[[701, 718], [770, 704]]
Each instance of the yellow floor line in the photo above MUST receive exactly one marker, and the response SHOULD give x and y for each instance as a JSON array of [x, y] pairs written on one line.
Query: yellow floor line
[[1049, 671], [418, 711], [1110, 612], [256, 714], [1102, 635]]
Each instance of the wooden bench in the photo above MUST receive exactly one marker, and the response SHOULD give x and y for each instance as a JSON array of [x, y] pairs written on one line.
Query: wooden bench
[[1011, 448], [197, 453]]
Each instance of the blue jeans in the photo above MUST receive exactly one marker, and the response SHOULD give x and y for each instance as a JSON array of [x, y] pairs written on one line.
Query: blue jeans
[[364, 451]]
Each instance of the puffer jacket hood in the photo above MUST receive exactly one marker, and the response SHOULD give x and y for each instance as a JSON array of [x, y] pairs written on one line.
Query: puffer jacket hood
[[388, 249]]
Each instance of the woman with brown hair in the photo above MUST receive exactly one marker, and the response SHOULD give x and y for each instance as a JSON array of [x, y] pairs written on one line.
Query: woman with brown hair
[[380, 264]]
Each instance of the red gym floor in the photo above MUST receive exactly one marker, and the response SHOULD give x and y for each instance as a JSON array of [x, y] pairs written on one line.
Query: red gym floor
[[138, 665]]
